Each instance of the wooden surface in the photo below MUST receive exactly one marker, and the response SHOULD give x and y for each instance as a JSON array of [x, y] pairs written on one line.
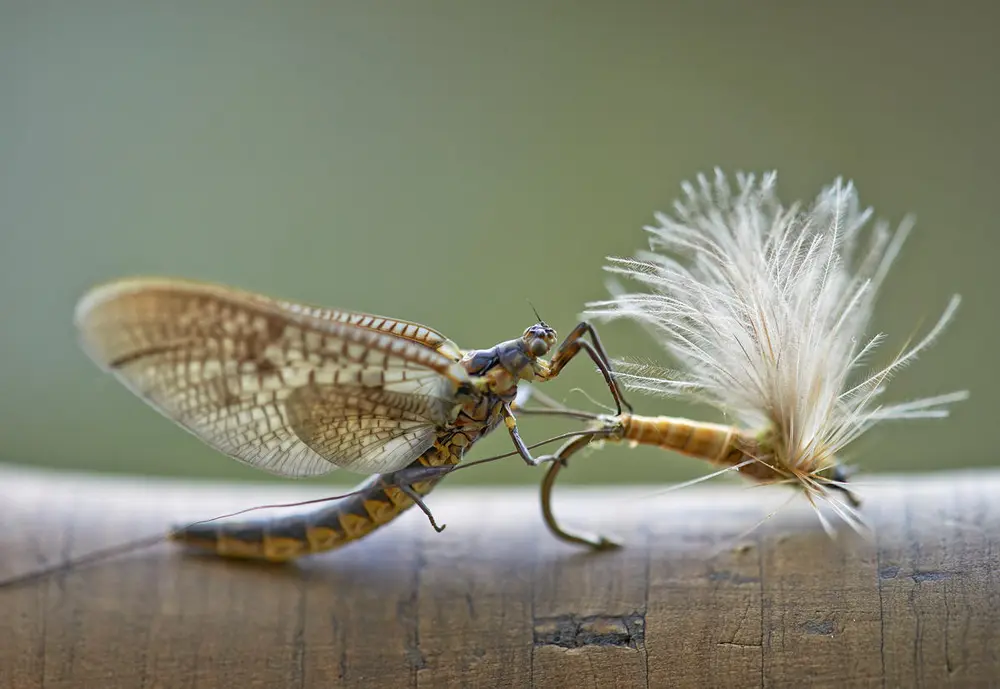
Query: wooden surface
[[495, 601]]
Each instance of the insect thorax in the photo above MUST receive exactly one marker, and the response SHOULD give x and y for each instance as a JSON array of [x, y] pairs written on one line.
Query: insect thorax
[[496, 372]]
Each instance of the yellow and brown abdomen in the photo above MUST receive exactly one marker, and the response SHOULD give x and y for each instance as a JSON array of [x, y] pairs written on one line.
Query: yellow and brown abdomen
[[716, 443], [277, 540]]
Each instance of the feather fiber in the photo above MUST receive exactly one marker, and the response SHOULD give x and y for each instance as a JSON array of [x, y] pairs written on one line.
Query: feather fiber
[[763, 309]]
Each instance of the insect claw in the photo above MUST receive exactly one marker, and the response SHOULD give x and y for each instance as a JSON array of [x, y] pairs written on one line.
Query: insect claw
[[419, 502]]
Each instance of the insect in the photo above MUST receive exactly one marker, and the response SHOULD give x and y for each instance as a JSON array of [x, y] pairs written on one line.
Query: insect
[[763, 309], [299, 391]]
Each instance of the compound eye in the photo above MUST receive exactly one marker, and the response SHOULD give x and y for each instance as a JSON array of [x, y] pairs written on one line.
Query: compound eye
[[539, 346]]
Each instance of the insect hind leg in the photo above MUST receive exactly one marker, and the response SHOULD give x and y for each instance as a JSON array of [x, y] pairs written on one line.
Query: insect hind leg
[[404, 480], [419, 502]]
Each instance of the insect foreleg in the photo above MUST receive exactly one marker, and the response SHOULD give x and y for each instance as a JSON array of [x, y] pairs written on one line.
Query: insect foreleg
[[572, 345]]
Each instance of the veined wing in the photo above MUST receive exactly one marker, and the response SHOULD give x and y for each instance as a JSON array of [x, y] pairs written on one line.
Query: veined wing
[[366, 430], [240, 371], [407, 330]]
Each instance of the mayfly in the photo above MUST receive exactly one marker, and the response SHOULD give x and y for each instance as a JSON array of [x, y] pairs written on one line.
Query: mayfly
[[763, 309], [299, 391]]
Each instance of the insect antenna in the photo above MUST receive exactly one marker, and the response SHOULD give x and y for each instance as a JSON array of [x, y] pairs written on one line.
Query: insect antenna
[[536, 312]]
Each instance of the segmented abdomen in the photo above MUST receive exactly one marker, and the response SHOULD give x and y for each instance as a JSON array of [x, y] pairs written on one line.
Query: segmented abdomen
[[331, 527], [721, 445]]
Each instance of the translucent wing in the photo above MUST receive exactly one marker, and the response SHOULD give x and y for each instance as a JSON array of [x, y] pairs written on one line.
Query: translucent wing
[[243, 372], [365, 430]]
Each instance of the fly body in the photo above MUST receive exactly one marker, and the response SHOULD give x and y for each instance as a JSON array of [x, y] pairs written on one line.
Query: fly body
[[299, 390]]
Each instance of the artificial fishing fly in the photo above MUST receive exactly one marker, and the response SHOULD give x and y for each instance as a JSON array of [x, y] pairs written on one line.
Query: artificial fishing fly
[[763, 310]]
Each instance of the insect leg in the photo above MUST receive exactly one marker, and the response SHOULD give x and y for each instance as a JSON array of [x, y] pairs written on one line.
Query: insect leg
[[511, 422], [405, 478], [572, 345], [594, 541], [419, 502]]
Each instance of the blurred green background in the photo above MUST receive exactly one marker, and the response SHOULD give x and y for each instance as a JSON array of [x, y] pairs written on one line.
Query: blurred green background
[[445, 161]]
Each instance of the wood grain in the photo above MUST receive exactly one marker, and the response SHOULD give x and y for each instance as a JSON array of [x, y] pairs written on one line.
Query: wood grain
[[494, 601]]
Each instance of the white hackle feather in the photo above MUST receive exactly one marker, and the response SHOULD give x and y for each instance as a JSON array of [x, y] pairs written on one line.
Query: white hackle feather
[[763, 308]]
